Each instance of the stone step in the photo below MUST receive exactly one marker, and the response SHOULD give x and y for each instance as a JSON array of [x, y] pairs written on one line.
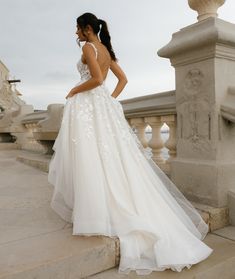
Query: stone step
[[227, 232], [33, 159], [219, 265], [231, 206], [215, 217], [56, 254], [9, 145], [34, 241]]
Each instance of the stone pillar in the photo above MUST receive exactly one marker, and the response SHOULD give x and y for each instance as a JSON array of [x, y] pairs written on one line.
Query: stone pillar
[[203, 55]]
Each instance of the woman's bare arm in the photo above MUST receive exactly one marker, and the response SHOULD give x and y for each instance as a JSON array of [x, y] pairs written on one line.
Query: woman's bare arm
[[94, 68], [122, 80]]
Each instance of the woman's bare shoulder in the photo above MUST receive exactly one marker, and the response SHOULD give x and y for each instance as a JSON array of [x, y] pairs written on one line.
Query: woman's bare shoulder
[[88, 49]]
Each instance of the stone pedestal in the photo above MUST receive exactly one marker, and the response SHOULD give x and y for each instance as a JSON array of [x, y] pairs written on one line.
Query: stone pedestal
[[203, 55]]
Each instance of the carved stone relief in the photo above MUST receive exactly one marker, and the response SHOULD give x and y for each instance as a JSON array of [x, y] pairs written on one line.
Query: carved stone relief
[[194, 110]]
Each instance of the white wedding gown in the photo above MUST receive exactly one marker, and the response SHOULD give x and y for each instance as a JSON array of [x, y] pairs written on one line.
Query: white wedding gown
[[106, 183]]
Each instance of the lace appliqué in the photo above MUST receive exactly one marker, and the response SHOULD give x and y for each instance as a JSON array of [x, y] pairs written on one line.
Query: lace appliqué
[[85, 114], [105, 150], [82, 113], [83, 70], [129, 135], [146, 151]]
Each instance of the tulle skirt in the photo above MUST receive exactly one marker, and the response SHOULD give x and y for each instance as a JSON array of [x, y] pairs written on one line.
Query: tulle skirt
[[106, 183]]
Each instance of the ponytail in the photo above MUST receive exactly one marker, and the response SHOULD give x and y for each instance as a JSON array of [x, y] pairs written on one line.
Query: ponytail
[[98, 26], [106, 39]]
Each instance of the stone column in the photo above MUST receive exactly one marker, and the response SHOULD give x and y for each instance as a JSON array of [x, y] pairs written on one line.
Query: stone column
[[203, 55]]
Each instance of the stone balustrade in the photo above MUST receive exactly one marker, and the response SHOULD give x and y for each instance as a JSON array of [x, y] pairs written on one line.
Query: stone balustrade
[[30, 122], [154, 111], [43, 127], [151, 111], [203, 55]]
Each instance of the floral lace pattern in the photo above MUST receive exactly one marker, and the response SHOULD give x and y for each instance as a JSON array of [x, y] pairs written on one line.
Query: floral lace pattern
[[84, 70], [98, 105], [104, 186]]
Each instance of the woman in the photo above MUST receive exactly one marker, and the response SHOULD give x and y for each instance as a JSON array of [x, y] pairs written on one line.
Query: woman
[[105, 181]]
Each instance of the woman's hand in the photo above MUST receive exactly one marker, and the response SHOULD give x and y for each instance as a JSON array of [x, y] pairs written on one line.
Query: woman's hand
[[71, 94]]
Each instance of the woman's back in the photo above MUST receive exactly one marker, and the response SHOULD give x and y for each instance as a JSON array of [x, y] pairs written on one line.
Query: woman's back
[[103, 58]]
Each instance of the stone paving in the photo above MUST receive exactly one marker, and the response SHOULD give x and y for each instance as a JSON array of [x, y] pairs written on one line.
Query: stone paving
[[36, 243]]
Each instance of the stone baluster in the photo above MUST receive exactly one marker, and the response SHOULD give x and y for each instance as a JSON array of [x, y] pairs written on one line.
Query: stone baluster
[[140, 125], [170, 120], [156, 142]]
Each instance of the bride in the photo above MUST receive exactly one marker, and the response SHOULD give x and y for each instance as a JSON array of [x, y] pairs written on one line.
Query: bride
[[105, 182]]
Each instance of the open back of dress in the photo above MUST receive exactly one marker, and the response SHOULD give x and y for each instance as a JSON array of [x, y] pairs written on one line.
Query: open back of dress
[[106, 183]]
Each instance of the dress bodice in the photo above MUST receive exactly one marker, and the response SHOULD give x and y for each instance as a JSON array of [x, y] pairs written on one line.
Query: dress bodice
[[83, 68]]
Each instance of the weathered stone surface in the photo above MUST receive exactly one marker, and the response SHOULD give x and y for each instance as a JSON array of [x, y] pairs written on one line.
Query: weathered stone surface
[[203, 55], [231, 206], [42, 255], [37, 243], [9, 145], [227, 232], [219, 265], [157, 104], [34, 241], [227, 107], [39, 161], [43, 127], [216, 218]]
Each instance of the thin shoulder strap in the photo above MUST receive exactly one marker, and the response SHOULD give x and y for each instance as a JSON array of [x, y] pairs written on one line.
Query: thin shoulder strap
[[96, 52]]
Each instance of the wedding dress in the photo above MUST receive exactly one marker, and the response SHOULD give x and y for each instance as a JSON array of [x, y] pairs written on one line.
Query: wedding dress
[[106, 183]]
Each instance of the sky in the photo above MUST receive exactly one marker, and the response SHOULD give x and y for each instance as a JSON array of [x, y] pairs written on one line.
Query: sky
[[38, 43]]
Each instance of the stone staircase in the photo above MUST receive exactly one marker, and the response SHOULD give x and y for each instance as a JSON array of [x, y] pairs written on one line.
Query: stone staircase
[[36, 243]]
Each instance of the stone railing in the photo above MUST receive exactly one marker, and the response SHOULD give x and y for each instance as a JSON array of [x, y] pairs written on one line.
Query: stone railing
[[30, 122], [43, 127], [154, 111]]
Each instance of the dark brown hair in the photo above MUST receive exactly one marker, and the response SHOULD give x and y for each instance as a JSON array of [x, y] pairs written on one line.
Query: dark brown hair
[[98, 26]]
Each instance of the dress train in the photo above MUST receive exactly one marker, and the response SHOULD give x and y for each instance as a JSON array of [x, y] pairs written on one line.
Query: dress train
[[106, 183]]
